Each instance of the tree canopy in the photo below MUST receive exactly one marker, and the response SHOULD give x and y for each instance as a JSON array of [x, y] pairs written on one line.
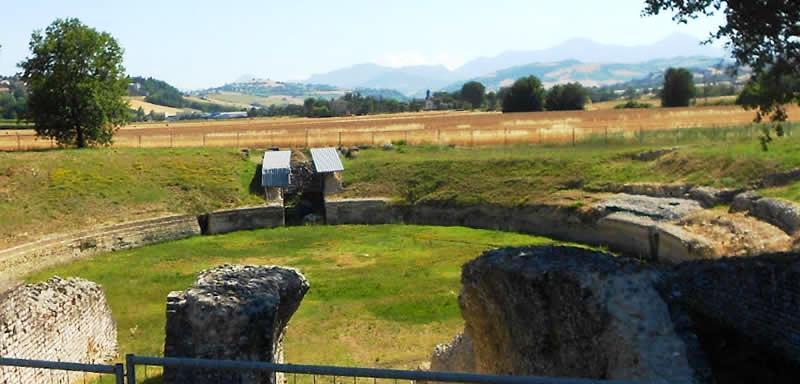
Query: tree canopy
[[764, 35], [678, 89], [76, 84], [566, 97], [526, 95], [474, 93]]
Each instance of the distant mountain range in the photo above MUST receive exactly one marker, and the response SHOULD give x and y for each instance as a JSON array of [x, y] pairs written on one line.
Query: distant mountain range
[[573, 60], [591, 74]]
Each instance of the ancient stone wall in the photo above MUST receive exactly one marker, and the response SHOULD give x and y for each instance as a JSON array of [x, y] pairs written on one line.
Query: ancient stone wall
[[26, 258], [58, 320], [232, 312], [571, 312], [239, 219], [620, 231], [757, 297]]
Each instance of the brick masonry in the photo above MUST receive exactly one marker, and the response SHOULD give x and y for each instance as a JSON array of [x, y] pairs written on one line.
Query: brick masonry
[[57, 320]]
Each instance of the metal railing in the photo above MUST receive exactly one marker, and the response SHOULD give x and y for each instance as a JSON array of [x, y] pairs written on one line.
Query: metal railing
[[117, 371], [188, 370], [212, 370]]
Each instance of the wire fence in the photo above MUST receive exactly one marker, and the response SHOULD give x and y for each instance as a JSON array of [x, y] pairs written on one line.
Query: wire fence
[[156, 370], [564, 135], [23, 371], [185, 370]]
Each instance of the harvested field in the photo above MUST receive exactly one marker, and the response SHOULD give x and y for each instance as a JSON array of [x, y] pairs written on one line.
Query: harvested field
[[444, 128]]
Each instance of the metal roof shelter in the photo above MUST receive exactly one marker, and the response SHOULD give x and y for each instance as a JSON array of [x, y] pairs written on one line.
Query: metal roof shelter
[[326, 160], [276, 169]]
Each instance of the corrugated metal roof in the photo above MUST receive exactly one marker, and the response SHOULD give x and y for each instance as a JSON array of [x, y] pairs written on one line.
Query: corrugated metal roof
[[326, 160], [276, 169]]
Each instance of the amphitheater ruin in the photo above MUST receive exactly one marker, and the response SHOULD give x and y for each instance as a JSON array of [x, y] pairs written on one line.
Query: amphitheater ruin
[[692, 294]]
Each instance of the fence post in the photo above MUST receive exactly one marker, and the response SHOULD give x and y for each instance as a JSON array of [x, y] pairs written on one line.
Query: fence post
[[140, 141], [119, 373], [505, 136], [237, 139], [204, 139], [438, 136], [340, 138], [540, 136], [573, 136], [306, 137], [606, 135], [472, 136], [131, 368], [170, 138], [373, 138], [19, 143], [641, 136]]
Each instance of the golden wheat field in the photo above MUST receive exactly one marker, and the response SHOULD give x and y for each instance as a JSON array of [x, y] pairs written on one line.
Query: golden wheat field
[[445, 128]]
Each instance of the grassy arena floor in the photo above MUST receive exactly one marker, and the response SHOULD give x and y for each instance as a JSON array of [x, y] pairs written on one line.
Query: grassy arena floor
[[380, 296]]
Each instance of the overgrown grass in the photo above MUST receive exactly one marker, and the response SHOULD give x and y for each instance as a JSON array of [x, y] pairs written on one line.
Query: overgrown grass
[[380, 295], [519, 174], [58, 190]]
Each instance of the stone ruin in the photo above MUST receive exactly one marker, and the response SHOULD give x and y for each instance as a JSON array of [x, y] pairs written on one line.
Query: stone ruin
[[573, 312], [57, 320], [232, 312]]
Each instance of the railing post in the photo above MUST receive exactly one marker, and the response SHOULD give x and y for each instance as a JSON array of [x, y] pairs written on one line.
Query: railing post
[[19, 143], [131, 368], [204, 139], [140, 141], [573, 136], [119, 373]]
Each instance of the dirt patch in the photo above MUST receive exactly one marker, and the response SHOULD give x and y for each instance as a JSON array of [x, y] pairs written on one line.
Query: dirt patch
[[735, 234]]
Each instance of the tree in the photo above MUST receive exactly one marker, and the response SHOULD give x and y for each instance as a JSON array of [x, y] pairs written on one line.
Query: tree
[[473, 93], [567, 97], [76, 82], [678, 88], [760, 34], [527, 94]]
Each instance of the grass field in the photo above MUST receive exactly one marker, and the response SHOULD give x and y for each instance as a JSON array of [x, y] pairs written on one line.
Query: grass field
[[245, 101], [56, 191], [518, 174], [137, 102], [380, 296], [442, 128]]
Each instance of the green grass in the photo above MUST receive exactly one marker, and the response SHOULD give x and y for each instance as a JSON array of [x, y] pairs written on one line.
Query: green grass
[[519, 174], [53, 191], [380, 295]]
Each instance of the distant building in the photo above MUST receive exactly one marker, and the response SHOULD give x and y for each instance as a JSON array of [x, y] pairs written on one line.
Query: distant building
[[230, 115], [276, 174], [328, 164]]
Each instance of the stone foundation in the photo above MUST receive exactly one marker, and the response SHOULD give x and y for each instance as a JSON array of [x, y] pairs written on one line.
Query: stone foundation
[[58, 320], [240, 219]]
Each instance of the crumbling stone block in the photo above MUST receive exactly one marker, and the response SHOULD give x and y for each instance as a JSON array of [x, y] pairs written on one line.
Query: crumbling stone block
[[232, 312], [571, 312]]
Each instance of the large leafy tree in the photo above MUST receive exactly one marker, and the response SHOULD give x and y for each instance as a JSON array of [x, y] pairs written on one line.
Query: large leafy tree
[[77, 84], [566, 97], [761, 34], [526, 95], [678, 88], [474, 93]]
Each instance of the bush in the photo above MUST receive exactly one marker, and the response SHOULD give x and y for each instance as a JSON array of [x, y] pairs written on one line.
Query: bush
[[632, 104]]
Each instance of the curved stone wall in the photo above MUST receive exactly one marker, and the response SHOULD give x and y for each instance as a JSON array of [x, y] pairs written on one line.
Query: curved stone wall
[[628, 234], [57, 320], [21, 260]]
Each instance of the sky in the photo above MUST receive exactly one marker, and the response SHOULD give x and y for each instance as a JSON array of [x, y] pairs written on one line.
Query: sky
[[198, 44]]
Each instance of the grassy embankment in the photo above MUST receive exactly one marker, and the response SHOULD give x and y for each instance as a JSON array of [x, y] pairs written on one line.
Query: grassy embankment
[[56, 191], [380, 295]]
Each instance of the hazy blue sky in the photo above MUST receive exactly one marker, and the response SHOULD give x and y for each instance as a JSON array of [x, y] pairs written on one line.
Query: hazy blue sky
[[203, 43]]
